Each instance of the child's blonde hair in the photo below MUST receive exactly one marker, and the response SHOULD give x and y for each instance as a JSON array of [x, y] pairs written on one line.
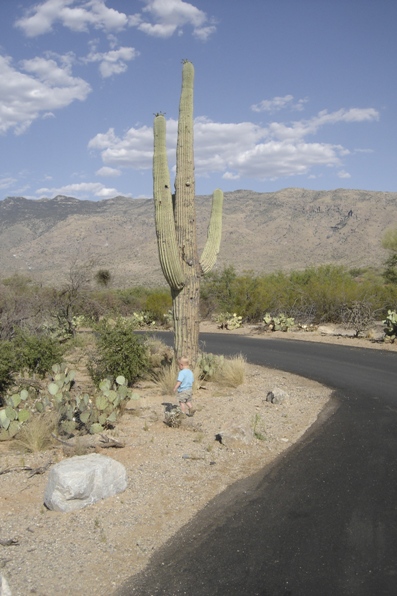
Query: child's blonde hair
[[184, 361]]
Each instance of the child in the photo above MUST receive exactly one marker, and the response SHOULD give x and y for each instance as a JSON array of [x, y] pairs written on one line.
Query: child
[[184, 386]]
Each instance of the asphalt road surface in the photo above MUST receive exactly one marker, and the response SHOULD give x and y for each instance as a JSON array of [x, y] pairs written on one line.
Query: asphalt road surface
[[322, 521]]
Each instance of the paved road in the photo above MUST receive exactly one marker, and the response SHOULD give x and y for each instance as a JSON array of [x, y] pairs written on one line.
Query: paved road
[[323, 520]]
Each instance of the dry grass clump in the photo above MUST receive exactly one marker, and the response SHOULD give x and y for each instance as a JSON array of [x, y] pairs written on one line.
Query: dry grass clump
[[36, 434], [165, 378], [159, 354], [232, 371]]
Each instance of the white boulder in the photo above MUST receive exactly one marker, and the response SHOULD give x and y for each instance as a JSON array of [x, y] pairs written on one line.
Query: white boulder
[[79, 481]]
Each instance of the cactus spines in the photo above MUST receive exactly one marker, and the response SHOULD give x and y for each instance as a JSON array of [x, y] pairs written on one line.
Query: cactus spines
[[175, 219]]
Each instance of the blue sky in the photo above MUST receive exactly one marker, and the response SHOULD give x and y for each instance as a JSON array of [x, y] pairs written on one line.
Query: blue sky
[[297, 93]]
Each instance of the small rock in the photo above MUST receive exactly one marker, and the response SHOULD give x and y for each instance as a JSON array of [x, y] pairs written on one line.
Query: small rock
[[4, 587], [277, 396], [235, 433]]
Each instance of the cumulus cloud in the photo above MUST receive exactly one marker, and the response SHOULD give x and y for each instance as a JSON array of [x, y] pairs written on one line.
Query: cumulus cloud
[[135, 149], [112, 62], [237, 150], [343, 174], [107, 172], [82, 190], [165, 17], [76, 15], [40, 86], [279, 103], [170, 16]]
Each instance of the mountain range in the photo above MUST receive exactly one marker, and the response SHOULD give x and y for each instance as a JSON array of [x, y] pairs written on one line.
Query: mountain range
[[262, 232]]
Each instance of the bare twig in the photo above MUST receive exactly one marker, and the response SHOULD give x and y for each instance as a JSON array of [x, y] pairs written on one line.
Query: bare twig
[[40, 469], [33, 471], [15, 469], [110, 442], [63, 442]]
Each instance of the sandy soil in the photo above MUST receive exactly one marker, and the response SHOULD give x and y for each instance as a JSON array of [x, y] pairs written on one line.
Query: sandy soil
[[172, 474]]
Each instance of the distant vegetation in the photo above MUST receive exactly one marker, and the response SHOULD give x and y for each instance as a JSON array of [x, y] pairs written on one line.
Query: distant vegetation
[[316, 295]]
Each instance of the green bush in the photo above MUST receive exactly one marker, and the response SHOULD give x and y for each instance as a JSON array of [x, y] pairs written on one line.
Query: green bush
[[7, 367], [120, 352], [158, 303], [36, 353]]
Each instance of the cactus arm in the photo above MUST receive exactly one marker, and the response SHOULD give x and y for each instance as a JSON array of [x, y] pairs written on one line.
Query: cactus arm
[[212, 245], [170, 260], [185, 215]]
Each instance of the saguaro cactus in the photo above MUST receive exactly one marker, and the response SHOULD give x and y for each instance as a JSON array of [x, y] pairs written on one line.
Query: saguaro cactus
[[175, 217]]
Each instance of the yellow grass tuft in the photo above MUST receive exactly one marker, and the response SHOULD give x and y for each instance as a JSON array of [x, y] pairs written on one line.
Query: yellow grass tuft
[[232, 372], [36, 434], [165, 378]]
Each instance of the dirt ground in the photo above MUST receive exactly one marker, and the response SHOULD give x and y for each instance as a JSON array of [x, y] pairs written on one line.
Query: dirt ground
[[172, 474]]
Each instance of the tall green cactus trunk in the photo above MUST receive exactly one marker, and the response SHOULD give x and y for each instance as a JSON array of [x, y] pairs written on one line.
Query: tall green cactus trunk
[[176, 223]]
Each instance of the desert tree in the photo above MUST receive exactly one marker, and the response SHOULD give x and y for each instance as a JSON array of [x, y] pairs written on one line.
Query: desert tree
[[389, 242]]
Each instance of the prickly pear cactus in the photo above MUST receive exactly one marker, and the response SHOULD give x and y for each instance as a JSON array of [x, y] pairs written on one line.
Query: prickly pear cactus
[[278, 323], [77, 412], [391, 325]]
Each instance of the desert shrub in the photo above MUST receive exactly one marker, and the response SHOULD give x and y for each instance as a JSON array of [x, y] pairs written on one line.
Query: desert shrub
[[23, 305], [314, 295], [158, 303], [103, 277], [390, 272], [131, 299], [358, 316], [36, 353], [158, 353], [120, 351], [7, 366], [217, 292]]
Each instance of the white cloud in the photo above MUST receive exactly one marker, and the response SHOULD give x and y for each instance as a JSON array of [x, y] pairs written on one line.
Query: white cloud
[[135, 149], [82, 190], [343, 174], [171, 16], [112, 62], [44, 86], [230, 176], [237, 150], [107, 172], [167, 16], [41, 18], [7, 182], [278, 103], [299, 129]]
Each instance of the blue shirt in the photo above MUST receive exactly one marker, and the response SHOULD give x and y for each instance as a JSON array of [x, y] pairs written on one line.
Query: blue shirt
[[186, 378]]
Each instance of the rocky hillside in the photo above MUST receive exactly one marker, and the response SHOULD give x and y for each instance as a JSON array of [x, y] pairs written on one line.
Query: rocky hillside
[[262, 232]]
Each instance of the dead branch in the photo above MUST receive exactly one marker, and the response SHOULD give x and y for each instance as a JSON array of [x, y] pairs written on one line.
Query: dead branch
[[110, 442]]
